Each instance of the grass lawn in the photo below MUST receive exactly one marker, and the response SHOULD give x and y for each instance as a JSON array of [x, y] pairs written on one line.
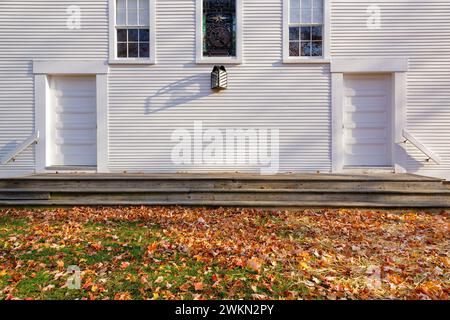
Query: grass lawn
[[197, 253]]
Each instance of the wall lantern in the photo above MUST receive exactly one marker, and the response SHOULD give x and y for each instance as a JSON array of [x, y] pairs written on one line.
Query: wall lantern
[[219, 78]]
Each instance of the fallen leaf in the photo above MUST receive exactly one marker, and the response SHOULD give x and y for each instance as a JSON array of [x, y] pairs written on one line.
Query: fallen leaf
[[198, 286]]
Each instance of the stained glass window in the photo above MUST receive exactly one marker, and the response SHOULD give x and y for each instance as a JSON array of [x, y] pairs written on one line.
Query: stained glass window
[[219, 28], [133, 28], [306, 28]]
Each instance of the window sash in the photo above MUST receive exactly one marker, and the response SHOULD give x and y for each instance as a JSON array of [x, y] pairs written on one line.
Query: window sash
[[138, 9]]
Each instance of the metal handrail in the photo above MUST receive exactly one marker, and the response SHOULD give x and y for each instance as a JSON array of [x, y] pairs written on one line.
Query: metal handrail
[[430, 154], [34, 138]]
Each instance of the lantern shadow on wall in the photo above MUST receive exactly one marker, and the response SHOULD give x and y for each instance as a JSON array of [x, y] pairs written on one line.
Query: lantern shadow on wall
[[219, 78]]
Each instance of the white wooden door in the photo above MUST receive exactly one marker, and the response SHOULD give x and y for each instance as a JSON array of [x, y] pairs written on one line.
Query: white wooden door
[[367, 121], [74, 121]]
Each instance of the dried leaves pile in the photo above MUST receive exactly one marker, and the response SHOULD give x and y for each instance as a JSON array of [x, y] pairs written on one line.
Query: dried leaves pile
[[199, 253]]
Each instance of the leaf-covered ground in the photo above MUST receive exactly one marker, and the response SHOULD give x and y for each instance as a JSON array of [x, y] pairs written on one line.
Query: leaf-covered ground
[[195, 253]]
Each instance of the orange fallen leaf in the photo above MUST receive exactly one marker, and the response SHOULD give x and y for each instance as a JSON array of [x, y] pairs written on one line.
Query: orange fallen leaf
[[124, 265], [60, 264], [152, 247], [122, 296], [254, 264], [185, 287], [198, 286]]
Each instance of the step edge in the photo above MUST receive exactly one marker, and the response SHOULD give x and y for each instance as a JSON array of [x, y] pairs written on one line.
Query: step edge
[[227, 203], [182, 190]]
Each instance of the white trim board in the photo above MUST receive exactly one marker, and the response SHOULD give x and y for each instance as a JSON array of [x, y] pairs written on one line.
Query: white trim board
[[397, 67], [43, 69], [73, 67], [199, 37], [368, 65]]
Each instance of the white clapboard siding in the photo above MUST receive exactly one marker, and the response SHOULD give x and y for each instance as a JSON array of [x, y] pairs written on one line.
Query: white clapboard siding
[[419, 30], [146, 104], [37, 29]]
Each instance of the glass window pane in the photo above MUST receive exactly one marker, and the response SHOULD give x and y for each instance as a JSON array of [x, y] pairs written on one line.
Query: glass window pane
[[305, 48], [133, 50], [306, 33], [294, 49], [121, 50], [144, 35], [143, 5], [306, 4], [122, 4], [294, 33], [306, 15], [133, 4], [316, 33], [144, 50], [143, 18], [133, 35], [122, 35], [295, 16], [316, 49], [295, 4], [317, 15], [121, 17], [318, 3], [132, 17]]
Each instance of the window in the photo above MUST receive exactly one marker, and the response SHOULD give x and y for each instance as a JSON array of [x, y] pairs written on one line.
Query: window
[[219, 33], [132, 31], [306, 30]]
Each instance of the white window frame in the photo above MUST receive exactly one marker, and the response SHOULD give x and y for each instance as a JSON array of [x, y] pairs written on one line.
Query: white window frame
[[325, 58], [113, 59], [200, 59]]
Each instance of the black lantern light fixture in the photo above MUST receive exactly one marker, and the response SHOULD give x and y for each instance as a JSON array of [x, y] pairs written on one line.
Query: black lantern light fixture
[[219, 78]]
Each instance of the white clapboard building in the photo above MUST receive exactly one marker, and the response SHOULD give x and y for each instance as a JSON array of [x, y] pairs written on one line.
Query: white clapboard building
[[111, 86]]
